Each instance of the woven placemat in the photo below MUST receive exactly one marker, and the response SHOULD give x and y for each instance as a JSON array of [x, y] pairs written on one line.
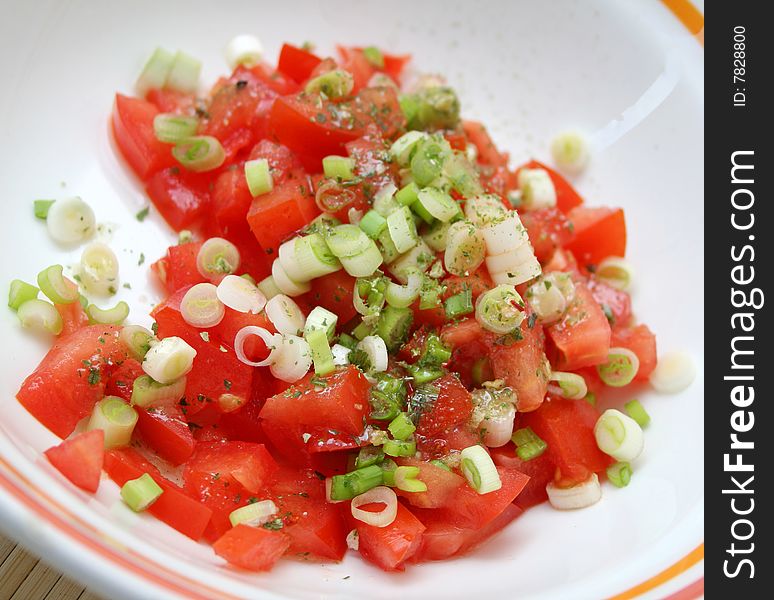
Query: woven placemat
[[25, 577]]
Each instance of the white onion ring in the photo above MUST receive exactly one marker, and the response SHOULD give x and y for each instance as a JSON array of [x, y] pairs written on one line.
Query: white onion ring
[[241, 295], [200, 306], [272, 341], [381, 494]]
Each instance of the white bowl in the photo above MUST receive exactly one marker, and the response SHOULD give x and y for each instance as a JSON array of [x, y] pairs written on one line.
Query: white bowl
[[629, 73]]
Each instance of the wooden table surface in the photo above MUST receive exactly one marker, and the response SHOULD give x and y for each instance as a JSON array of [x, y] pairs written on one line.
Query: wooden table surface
[[25, 577]]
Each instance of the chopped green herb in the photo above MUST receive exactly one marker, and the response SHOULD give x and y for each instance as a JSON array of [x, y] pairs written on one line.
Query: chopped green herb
[[140, 216]]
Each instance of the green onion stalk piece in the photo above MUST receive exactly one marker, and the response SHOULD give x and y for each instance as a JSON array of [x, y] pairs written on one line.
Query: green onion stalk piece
[[394, 325], [140, 493], [460, 304], [56, 287], [340, 168], [431, 109], [388, 396], [400, 447], [40, 207], [108, 316], [401, 427], [368, 456], [619, 474], [19, 292], [406, 480], [637, 412], [200, 153], [346, 487], [528, 444], [333, 84]]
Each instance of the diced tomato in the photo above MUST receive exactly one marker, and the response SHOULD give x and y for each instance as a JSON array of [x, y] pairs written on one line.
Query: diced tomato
[[80, 459], [71, 378], [165, 430], [173, 507], [561, 260], [136, 139], [442, 485], [457, 139], [452, 407], [394, 64], [567, 427], [478, 282], [233, 321], [180, 196], [334, 292], [566, 196], [616, 305], [273, 78], [582, 336], [278, 214], [297, 63], [171, 101], [391, 546], [642, 341], [540, 470], [178, 268], [488, 153], [252, 548], [122, 379], [244, 424], [354, 61], [599, 232], [548, 230], [460, 333], [316, 528], [73, 317]]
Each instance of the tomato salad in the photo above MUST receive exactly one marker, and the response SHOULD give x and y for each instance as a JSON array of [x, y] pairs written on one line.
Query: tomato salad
[[377, 334]]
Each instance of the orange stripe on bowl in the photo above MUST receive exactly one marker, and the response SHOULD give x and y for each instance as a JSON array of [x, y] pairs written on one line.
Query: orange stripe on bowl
[[689, 15], [691, 592], [680, 566]]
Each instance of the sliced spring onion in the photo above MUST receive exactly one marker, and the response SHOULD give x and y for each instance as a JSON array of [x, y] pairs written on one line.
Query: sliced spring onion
[[373, 224], [364, 264], [370, 455], [332, 196], [479, 470], [376, 351], [185, 236], [39, 315], [184, 74], [353, 538], [406, 480], [268, 287], [307, 257], [285, 315], [169, 359], [401, 427], [402, 148], [509, 261], [173, 129], [402, 228], [620, 369], [99, 269], [155, 72], [431, 108], [56, 287], [321, 318], [500, 310], [20, 292], [368, 295], [435, 351], [240, 294], [550, 296], [114, 315], [484, 209], [461, 173], [200, 306], [465, 248], [217, 258], [403, 296], [340, 355], [420, 257], [505, 235], [333, 84], [400, 447], [322, 357], [116, 418], [365, 328], [199, 153], [578, 496], [354, 483], [637, 412], [384, 199], [424, 373], [137, 340], [389, 467], [388, 396], [459, 304], [381, 495], [619, 474], [619, 435], [438, 203], [497, 428], [258, 176], [374, 56], [616, 272], [146, 392], [674, 372], [537, 189], [570, 151], [341, 168], [528, 444], [437, 236], [230, 402], [139, 494], [347, 241], [518, 273], [408, 195], [394, 325], [255, 514], [70, 220], [293, 359], [570, 385], [243, 49], [272, 341], [428, 161], [40, 208]]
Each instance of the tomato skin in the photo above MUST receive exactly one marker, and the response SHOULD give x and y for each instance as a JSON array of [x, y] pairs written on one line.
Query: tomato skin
[[390, 547], [166, 432], [80, 459], [599, 232], [122, 379], [548, 229], [642, 341], [582, 336], [178, 268], [334, 292], [133, 131], [488, 154], [442, 485], [58, 393], [452, 407], [540, 470], [566, 196], [180, 196], [567, 426], [73, 317], [619, 303], [252, 548], [173, 507], [297, 63]]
